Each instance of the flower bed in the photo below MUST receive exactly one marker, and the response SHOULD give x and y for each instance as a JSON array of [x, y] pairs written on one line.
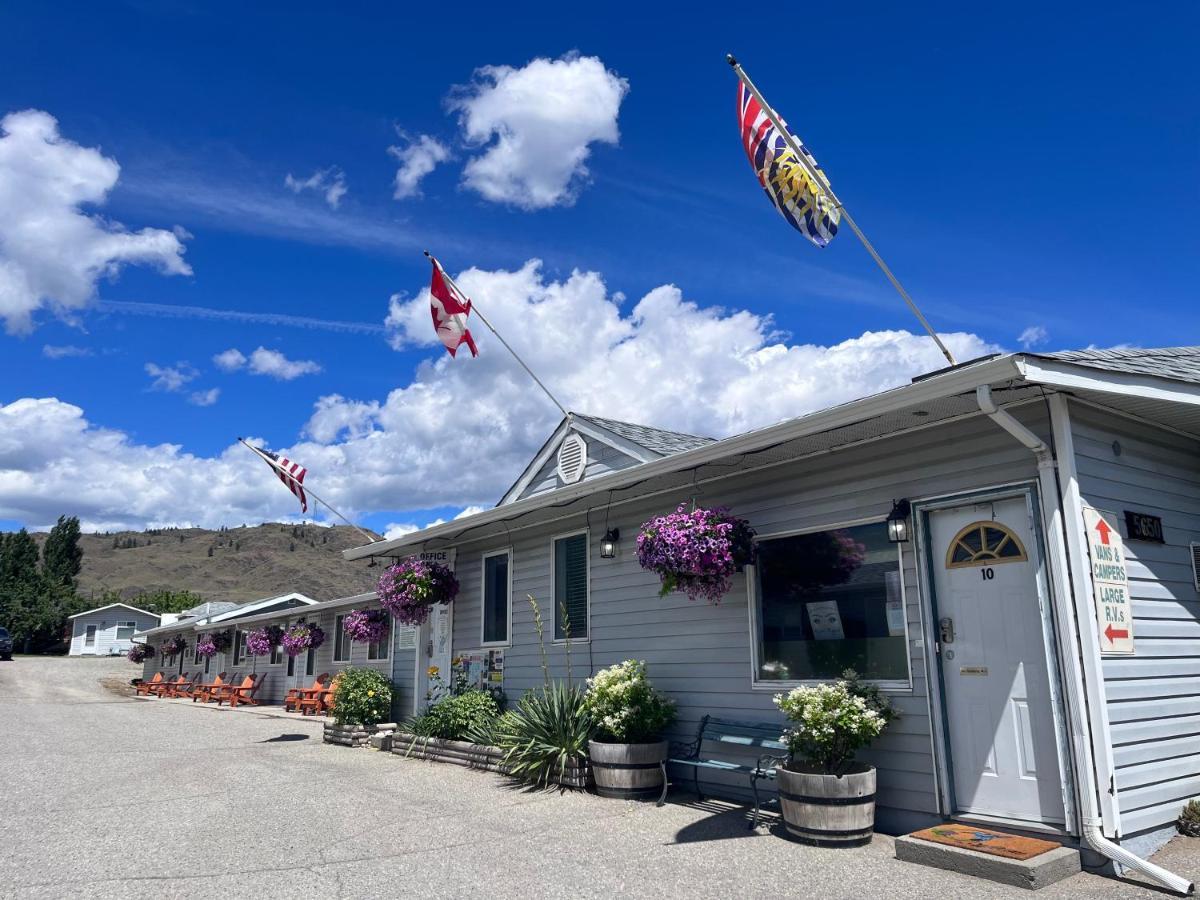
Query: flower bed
[[476, 756], [696, 552], [409, 589], [366, 626], [302, 637]]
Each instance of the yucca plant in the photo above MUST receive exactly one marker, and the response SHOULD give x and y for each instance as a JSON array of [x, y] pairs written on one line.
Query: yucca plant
[[549, 729], [1189, 819]]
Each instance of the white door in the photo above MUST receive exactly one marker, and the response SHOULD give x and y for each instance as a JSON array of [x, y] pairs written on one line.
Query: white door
[[434, 646], [89, 639], [1003, 752]]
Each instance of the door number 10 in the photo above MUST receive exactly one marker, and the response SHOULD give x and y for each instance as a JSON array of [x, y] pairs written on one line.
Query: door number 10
[[988, 573]]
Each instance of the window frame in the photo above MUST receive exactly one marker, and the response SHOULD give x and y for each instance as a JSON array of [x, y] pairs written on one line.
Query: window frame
[[887, 685], [125, 624], [587, 557], [340, 637], [483, 641], [276, 656], [239, 647]]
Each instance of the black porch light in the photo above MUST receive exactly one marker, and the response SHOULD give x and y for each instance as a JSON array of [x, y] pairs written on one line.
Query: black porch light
[[608, 543], [897, 521]]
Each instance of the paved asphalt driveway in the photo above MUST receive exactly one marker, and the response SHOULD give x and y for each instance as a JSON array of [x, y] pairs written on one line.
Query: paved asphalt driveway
[[102, 795]]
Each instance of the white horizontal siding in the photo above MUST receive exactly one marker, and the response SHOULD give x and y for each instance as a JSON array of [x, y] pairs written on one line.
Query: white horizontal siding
[[1154, 696], [601, 460], [106, 631]]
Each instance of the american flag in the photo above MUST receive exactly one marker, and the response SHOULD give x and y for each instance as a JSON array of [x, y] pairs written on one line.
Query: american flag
[[289, 472], [803, 201]]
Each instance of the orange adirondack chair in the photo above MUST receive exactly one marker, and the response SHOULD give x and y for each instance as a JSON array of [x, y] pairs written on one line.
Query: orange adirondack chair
[[204, 691], [241, 693], [185, 687], [320, 703], [166, 688], [143, 688], [291, 703]]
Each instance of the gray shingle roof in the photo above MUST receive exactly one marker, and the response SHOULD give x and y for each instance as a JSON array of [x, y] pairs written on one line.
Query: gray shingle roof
[[1180, 363], [657, 440], [210, 608]]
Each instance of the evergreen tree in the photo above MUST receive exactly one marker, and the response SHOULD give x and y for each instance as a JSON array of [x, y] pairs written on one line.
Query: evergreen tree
[[62, 556]]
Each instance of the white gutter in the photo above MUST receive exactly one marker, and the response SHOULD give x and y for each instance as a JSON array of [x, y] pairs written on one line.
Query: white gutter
[[952, 383], [1070, 616], [305, 611]]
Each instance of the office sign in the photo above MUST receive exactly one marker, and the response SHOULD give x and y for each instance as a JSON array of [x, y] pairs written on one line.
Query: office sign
[[1110, 584]]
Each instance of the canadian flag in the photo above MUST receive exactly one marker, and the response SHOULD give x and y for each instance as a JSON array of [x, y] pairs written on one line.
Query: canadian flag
[[450, 310]]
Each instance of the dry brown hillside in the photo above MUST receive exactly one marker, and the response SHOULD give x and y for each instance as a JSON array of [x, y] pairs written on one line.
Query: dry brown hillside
[[246, 563]]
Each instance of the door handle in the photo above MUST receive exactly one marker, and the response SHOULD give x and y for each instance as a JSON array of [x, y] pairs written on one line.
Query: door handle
[[946, 630]]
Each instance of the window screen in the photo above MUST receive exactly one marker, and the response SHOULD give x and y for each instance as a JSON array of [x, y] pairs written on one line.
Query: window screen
[[570, 587], [495, 599], [125, 630]]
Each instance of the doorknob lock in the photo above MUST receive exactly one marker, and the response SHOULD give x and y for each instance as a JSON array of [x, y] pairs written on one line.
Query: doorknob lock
[[946, 630]]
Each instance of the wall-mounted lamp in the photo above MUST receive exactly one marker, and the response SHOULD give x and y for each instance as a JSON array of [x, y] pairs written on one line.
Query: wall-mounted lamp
[[897, 521], [608, 543]]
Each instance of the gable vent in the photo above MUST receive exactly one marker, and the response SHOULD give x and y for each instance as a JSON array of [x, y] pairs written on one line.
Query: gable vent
[[572, 458], [1196, 564]]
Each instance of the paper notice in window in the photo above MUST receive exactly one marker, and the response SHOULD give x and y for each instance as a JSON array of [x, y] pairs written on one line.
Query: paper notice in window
[[895, 605], [826, 620]]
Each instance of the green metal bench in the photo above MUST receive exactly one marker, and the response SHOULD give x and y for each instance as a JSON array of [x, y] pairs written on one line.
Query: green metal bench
[[725, 737]]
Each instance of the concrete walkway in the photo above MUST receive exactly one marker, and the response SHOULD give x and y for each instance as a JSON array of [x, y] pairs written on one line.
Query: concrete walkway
[[105, 796]]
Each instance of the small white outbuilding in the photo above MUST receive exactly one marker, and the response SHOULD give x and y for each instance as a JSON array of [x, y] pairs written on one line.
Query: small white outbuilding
[[108, 630]]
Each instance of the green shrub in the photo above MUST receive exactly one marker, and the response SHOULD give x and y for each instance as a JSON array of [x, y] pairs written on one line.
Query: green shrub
[[625, 708], [549, 728], [1189, 819], [456, 717], [361, 697]]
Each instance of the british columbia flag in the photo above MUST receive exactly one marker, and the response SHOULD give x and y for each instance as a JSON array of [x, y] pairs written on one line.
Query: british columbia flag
[[806, 203]]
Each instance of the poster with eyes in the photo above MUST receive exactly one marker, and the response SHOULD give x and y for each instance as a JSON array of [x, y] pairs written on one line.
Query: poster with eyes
[[826, 620]]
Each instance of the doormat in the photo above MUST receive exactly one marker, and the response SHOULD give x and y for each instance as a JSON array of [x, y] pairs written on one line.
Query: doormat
[[995, 843]]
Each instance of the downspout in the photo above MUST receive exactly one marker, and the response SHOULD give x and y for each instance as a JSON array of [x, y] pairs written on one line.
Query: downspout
[[1091, 819]]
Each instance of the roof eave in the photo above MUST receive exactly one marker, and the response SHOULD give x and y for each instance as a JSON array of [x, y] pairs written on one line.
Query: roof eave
[[949, 384]]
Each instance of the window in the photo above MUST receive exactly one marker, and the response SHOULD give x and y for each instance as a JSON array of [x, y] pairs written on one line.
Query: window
[[984, 544], [379, 650], [571, 587], [239, 647], [496, 597], [207, 662], [276, 654], [196, 657], [828, 601], [341, 641], [291, 669], [89, 636], [310, 662], [125, 630]]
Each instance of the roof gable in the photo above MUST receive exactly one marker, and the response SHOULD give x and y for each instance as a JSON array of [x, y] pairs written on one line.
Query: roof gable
[[611, 446], [111, 606]]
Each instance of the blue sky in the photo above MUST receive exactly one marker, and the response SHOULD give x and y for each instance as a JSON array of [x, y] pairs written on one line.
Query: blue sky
[[1030, 167]]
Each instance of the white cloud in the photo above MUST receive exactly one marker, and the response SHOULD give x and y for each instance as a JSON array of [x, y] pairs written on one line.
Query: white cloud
[[417, 158], [205, 398], [51, 253], [170, 378], [538, 123], [262, 361], [1033, 336], [461, 430], [397, 530], [331, 183], [52, 351], [230, 360]]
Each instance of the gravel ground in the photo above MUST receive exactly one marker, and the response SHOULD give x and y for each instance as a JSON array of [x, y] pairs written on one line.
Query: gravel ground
[[106, 796]]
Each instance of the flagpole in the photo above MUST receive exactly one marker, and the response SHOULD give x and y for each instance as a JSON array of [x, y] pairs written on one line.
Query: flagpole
[[309, 491], [823, 184], [484, 319]]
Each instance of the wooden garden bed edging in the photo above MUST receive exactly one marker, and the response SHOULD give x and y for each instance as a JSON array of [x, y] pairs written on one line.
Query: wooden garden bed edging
[[474, 756], [346, 735]]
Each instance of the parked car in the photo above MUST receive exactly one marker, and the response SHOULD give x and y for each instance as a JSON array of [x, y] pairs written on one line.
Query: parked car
[[5, 644]]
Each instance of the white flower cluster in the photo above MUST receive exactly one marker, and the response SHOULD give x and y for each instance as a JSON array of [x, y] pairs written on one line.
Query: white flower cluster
[[623, 704], [829, 721]]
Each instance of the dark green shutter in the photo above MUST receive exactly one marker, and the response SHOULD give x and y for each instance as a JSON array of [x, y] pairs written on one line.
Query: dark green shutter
[[570, 585]]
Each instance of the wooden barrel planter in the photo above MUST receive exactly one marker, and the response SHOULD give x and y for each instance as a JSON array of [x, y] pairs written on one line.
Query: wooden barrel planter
[[828, 810], [628, 771]]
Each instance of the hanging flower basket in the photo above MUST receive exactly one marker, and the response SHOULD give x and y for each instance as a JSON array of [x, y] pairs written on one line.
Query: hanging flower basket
[[408, 590], [174, 646], [140, 653], [696, 552], [212, 644], [302, 637], [366, 626], [261, 641]]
